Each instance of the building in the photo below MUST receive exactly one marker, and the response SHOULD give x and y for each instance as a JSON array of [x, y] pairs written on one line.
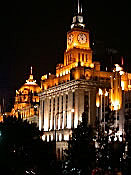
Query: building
[[27, 101], [80, 86]]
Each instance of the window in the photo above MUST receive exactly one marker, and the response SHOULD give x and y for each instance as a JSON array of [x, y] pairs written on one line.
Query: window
[[86, 57], [50, 105], [70, 57], [66, 61], [83, 57], [62, 103], [78, 57]]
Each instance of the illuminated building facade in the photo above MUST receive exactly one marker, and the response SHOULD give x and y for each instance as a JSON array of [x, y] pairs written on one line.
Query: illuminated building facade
[[27, 101], [80, 86]]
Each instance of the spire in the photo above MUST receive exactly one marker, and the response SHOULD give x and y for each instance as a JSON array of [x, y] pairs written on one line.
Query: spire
[[78, 6], [78, 19], [31, 81], [31, 70]]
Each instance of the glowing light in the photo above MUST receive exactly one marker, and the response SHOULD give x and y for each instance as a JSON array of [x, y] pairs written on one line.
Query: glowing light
[[46, 125], [82, 63], [116, 105], [66, 71], [106, 93], [118, 68], [92, 65], [75, 44], [72, 110], [60, 137], [97, 104], [43, 137], [69, 120], [122, 85], [44, 77], [51, 137], [75, 122], [66, 137], [76, 64], [48, 138], [59, 123], [100, 91], [121, 72]]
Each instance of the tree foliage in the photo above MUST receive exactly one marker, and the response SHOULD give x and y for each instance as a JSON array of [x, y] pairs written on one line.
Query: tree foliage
[[21, 149], [80, 157]]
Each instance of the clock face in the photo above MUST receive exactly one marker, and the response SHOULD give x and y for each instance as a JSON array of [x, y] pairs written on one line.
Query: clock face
[[82, 38], [70, 39]]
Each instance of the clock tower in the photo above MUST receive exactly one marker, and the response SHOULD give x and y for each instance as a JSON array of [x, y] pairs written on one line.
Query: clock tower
[[78, 42]]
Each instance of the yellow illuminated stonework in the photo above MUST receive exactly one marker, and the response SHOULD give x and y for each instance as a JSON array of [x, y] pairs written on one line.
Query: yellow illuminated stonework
[[78, 55], [27, 101], [80, 39], [78, 86]]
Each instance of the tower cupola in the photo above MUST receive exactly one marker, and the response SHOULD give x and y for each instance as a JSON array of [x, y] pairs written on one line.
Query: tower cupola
[[78, 18]]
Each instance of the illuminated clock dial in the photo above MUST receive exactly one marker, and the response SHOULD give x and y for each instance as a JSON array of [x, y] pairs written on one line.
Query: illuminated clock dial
[[70, 39], [82, 38]]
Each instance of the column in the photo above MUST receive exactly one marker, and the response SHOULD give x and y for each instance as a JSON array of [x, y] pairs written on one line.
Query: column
[[64, 111], [69, 113], [46, 113], [92, 110], [76, 108], [41, 115], [80, 104]]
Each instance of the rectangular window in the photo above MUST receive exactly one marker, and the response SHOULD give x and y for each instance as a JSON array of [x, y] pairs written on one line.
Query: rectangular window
[[66, 101], [86, 57], [70, 57], [62, 103], [50, 105], [83, 57], [66, 61], [78, 57]]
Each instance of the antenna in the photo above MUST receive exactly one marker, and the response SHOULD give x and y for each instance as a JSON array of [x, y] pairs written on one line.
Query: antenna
[[78, 6], [122, 61], [31, 70], [81, 8]]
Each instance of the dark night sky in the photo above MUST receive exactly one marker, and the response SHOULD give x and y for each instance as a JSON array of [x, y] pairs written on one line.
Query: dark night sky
[[33, 33]]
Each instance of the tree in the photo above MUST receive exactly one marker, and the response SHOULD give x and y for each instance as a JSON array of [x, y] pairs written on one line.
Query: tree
[[21, 149], [80, 157]]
